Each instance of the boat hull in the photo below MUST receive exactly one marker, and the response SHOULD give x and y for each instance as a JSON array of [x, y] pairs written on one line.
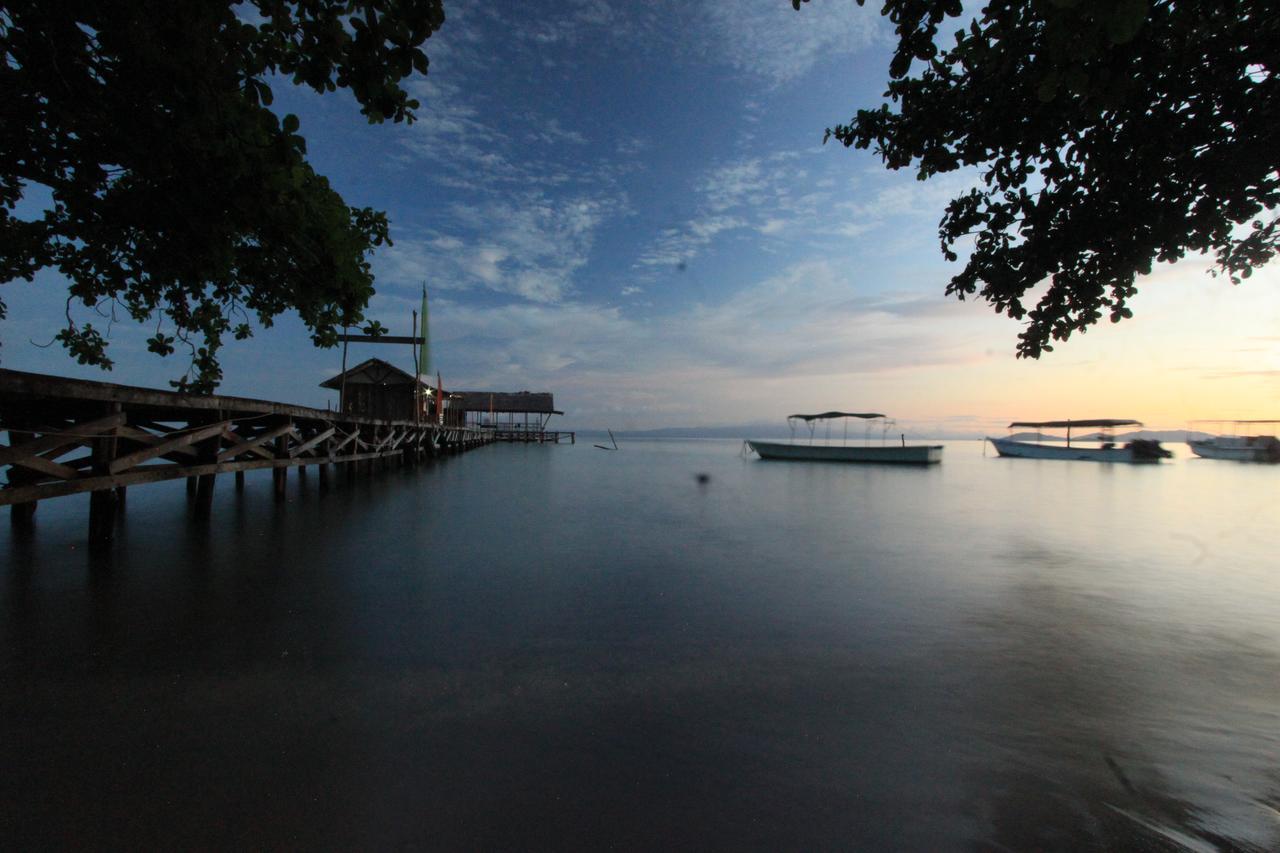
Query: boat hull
[[1264, 448], [1029, 450], [913, 454]]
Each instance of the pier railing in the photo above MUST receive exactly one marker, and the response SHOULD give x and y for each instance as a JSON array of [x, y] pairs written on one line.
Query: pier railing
[[72, 436], [528, 435]]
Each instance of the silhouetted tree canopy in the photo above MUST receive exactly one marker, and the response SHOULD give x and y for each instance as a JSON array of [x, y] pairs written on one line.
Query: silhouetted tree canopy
[[175, 194], [1110, 134]]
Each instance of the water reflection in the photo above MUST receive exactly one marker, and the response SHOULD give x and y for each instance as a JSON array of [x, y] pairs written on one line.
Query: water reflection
[[546, 647], [1110, 729]]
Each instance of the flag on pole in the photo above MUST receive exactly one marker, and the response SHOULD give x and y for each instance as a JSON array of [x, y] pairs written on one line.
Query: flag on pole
[[424, 351]]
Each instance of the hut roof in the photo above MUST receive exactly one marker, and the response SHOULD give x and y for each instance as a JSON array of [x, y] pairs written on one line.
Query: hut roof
[[373, 371], [507, 401]]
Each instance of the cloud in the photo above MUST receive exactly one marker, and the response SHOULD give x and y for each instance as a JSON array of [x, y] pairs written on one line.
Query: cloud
[[774, 43], [803, 327], [551, 132], [1245, 374], [734, 185], [530, 246], [630, 147], [676, 246], [775, 195]]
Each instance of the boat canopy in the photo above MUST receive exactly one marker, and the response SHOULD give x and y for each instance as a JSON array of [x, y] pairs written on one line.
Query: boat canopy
[[1101, 422], [826, 415]]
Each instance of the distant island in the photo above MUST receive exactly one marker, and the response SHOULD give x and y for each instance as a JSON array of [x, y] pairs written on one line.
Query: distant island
[[744, 431], [1174, 435]]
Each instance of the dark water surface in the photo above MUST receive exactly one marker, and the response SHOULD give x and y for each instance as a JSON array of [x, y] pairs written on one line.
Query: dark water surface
[[558, 647]]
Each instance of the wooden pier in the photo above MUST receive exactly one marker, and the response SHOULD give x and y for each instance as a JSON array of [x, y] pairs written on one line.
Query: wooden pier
[[536, 435], [72, 436]]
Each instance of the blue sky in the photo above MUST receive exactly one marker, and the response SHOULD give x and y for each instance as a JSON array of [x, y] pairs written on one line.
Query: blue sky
[[628, 204]]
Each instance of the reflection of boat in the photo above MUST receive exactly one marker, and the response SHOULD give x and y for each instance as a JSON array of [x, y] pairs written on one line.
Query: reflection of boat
[[920, 454], [1138, 450], [1240, 448]]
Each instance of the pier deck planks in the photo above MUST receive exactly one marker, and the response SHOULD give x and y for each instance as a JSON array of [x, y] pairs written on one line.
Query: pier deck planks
[[128, 436]]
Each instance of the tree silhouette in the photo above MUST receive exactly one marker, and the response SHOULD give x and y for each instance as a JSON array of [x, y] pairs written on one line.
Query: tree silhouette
[[1109, 134], [175, 194]]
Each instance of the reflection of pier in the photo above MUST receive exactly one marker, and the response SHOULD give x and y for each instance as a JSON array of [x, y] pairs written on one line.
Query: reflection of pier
[[71, 436]]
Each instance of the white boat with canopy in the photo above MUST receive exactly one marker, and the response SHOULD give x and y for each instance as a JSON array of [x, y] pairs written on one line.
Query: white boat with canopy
[[1237, 447], [917, 454], [1101, 449]]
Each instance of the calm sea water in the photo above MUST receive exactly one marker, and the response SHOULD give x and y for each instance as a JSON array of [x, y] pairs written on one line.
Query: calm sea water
[[559, 647]]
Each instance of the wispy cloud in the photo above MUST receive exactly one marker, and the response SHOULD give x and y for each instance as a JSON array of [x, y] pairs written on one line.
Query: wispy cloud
[[738, 184], [675, 247], [527, 190], [530, 249], [777, 196], [773, 42], [803, 326]]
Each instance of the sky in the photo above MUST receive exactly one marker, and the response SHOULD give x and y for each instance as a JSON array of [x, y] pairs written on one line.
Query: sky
[[630, 205]]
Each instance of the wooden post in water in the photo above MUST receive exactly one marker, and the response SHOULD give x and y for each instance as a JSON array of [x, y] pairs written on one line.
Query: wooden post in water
[[280, 474], [22, 515], [206, 454], [102, 503], [239, 481]]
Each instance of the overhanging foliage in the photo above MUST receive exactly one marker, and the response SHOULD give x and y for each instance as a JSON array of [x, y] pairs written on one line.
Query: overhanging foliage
[[1110, 134], [177, 196]]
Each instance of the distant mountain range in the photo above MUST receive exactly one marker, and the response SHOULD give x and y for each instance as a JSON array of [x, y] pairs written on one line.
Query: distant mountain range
[[776, 431], [744, 431], [1172, 435]]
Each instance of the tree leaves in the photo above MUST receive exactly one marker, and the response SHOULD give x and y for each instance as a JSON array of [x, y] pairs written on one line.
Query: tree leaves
[[1109, 134], [175, 192], [1127, 17], [160, 344]]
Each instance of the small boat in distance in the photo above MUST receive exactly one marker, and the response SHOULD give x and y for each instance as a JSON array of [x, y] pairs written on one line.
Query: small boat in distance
[[1138, 450], [1236, 447], [917, 454]]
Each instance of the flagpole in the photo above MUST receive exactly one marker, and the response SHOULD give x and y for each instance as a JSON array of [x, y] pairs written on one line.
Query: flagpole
[[424, 349], [342, 388], [417, 368]]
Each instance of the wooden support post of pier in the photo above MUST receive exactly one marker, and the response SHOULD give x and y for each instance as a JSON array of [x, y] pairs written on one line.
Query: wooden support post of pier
[[136, 436], [102, 503], [280, 474], [324, 475], [207, 454], [21, 515]]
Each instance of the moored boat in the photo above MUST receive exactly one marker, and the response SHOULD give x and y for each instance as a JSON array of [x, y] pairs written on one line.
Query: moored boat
[[1239, 448], [1137, 450], [885, 452]]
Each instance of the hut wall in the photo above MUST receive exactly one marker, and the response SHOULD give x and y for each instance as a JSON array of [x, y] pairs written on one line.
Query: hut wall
[[392, 402]]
